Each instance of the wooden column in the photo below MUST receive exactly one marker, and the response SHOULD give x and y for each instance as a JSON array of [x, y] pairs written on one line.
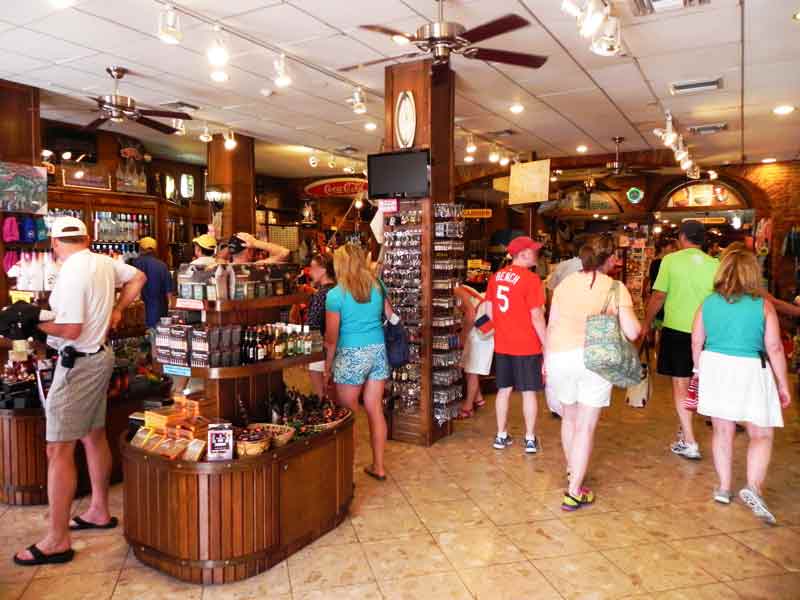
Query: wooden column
[[234, 172], [20, 134]]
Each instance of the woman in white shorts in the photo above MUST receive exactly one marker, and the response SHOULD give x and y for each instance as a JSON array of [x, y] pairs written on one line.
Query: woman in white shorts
[[324, 278], [581, 392], [478, 350], [735, 331]]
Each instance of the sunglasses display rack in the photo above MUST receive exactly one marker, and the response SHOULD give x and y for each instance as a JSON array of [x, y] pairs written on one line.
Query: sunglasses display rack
[[423, 261]]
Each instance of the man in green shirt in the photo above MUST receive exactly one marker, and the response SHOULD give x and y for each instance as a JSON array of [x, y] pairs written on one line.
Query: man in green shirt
[[685, 279]]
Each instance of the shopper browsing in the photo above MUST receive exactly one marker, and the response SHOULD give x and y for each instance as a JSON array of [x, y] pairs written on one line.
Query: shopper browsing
[[478, 350], [516, 307], [581, 392], [734, 332], [75, 409], [243, 245], [685, 279], [204, 248], [158, 289], [323, 276], [355, 349]]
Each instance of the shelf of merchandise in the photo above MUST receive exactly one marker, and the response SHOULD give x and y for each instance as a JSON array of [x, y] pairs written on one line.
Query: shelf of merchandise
[[239, 305], [251, 370]]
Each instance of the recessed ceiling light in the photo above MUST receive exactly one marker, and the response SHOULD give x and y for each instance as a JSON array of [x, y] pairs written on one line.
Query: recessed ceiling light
[[401, 40], [769, 160], [516, 108], [595, 216], [783, 109], [79, 174], [582, 149], [370, 126], [605, 217], [469, 158], [266, 92], [219, 76], [66, 155]]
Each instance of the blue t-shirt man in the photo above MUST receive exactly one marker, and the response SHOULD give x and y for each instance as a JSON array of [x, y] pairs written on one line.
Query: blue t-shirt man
[[159, 283]]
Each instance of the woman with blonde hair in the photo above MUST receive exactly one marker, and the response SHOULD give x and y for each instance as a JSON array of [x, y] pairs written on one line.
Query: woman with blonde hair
[[735, 330], [581, 392], [355, 348]]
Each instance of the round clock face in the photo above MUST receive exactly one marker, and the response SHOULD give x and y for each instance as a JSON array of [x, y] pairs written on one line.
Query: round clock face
[[405, 119]]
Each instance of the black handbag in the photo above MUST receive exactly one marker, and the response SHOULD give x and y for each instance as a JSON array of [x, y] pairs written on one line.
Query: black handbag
[[398, 350]]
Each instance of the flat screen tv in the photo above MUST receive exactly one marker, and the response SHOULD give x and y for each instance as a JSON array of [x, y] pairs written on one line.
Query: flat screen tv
[[395, 174]]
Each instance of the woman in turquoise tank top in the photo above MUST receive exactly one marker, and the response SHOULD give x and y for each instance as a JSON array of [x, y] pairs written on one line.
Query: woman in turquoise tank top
[[735, 331]]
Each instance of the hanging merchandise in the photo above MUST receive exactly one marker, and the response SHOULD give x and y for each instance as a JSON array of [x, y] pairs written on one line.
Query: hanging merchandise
[[763, 235]]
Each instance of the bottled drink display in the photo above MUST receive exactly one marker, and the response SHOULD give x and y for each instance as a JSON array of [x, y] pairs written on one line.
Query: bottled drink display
[[122, 227], [274, 342]]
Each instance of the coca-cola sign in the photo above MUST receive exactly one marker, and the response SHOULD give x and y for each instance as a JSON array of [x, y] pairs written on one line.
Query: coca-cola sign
[[337, 187]]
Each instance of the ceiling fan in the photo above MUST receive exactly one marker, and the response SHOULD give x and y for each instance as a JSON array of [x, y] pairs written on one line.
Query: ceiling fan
[[117, 108], [444, 38], [617, 167]]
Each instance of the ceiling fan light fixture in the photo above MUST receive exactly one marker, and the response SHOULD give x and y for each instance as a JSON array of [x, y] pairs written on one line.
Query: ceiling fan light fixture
[[592, 18], [179, 126], [219, 76], [572, 9], [358, 101], [169, 26], [401, 40], [282, 77], [217, 54], [230, 140]]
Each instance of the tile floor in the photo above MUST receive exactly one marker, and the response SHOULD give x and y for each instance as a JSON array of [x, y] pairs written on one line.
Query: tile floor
[[461, 520]]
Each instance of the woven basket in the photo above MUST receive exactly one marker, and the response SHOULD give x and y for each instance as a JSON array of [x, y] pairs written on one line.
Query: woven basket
[[332, 424], [281, 434], [244, 449]]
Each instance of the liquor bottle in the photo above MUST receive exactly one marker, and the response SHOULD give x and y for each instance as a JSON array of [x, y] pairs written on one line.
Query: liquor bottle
[[135, 228], [253, 345], [280, 343], [307, 344], [262, 346], [243, 348]]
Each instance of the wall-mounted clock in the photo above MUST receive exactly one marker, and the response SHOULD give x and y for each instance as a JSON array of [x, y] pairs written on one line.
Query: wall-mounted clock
[[405, 119]]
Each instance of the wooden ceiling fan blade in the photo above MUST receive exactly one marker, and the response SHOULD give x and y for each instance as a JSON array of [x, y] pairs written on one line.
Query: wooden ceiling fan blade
[[377, 62], [494, 28], [168, 114], [387, 31], [155, 125], [95, 124], [518, 59]]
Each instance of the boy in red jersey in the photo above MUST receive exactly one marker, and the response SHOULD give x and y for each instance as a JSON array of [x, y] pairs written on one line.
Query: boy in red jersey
[[516, 306]]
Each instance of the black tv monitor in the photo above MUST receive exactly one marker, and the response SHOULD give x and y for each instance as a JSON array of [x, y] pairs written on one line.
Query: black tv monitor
[[399, 174]]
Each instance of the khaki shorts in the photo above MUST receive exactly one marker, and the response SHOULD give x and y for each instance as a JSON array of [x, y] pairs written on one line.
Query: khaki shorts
[[76, 402]]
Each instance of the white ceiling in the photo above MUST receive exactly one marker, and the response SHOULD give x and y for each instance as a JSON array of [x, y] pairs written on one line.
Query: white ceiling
[[63, 46]]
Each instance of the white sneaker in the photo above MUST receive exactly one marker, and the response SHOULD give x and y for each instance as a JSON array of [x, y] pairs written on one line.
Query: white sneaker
[[757, 505], [690, 451], [722, 496]]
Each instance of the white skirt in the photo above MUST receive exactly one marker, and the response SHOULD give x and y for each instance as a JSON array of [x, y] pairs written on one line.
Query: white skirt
[[478, 353], [570, 382], [738, 388]]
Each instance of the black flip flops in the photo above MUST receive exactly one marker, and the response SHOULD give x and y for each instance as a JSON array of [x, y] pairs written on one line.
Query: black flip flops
[[40, 558], [81, 524]]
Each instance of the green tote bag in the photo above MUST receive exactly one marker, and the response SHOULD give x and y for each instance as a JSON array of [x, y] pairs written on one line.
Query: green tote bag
[[606, 351]]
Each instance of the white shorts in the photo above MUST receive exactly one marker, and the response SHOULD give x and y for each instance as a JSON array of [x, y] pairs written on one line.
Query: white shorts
[[569, 382], [478, 353], [318, 366]]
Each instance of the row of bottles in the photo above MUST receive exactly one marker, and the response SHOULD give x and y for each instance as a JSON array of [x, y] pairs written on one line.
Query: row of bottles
[[176, 230], [54, 213], [122, 227], [123, 252], [274, 342], [36, 271]]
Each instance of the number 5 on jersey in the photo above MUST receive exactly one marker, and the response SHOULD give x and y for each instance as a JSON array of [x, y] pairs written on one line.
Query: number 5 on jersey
[[502, 297]]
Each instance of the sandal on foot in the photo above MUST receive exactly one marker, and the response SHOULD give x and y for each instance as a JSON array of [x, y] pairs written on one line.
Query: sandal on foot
[[572, 503], [40, 558], [81, 524], [372, 473], [464, 414], [480, 404]]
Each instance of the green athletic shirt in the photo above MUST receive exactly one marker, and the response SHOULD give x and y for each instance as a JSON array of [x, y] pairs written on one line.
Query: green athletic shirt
[[687, 278]]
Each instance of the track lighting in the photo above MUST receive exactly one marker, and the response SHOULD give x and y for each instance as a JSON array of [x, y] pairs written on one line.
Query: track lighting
[[504, 161], [349, 169], [469, 158], [230, 140], [594, 14], [282, 77], [668, 135], [471, 147], [681, 151], [494, 155], [608, 41], [169, 25], [687, 163], [400, 39], [358, 101], [179, 126], [313, 161], [693, 172], [217, 53], [370, 126], [332, 162], [206, 135]]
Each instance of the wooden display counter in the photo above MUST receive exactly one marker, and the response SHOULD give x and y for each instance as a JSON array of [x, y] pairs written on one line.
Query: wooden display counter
[[23, 453], [219, 522]]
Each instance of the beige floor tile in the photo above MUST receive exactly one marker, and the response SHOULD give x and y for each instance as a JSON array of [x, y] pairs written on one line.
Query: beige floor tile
[[343, 534], [778, 587], [25, 522], [323, 567], [627, 495], [714, 591], [442, 586], [92, 555], [387, 522], [731, 559], [414, 555], [780, 544], [375, 493], [609, 530], [671, 522], [448, 516], [432, 491], [12, 591], [362, 591], [508, 582], [9, 571], [587, 576], [658, 567], [728, 519], [478, 547], [97, 586], [148, 584], [546, 539], [270, 585], [509, 508]]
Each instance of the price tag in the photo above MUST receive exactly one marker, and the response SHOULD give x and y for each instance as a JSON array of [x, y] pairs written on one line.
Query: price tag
[[388, 205], [177, 370], [189, 304]]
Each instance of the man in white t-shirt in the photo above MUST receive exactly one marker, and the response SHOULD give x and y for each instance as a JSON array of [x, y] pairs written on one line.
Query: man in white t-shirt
[[75, 407]]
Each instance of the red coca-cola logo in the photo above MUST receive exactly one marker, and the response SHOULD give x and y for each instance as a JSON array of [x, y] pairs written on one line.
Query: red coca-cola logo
[[336, 188]]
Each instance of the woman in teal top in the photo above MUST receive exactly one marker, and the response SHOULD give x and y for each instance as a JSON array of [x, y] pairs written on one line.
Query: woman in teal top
[[735, 331], [355, 349]]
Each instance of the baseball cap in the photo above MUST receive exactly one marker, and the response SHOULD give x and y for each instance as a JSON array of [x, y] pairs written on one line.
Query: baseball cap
[[523, 242], [10, 230], [147, 243], [41, 230], [28, 230], [67, 227], [694, 231], [236, 244], [206, 241]]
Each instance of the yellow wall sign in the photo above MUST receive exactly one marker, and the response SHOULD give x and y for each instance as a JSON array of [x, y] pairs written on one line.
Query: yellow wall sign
[[530, 182], [475, 263], [477, 213]]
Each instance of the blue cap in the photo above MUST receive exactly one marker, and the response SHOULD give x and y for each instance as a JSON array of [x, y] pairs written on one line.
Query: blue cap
[[28, 230]]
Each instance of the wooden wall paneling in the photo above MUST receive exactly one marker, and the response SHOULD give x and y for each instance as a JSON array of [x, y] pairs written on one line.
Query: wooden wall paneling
[[20, 125], [234, 171]]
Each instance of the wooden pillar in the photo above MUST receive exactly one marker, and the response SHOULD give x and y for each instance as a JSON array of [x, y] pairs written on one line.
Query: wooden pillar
[[20, 133], [234, 172]]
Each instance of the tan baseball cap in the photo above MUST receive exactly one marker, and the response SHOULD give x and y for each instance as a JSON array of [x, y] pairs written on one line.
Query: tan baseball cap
[[147, 243], [207, 241]]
